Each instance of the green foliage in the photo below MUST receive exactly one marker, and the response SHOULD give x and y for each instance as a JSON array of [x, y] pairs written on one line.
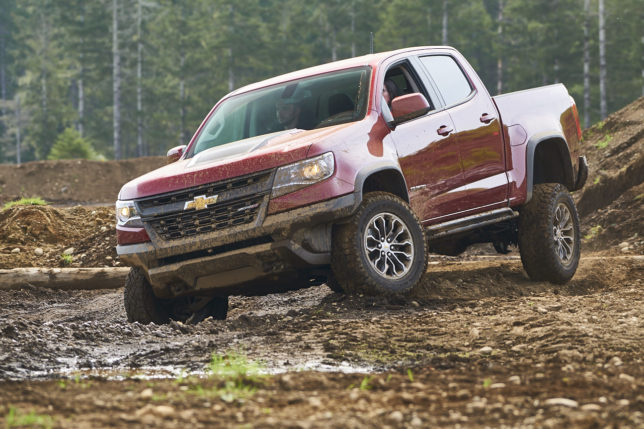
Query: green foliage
[[67, 259], [593, 232], [603, 143], [15, 418], [410, 375], [70, 145], [364, 384], [196, 51], [487, 382], [34, 201], [240, 377], [235, 366]]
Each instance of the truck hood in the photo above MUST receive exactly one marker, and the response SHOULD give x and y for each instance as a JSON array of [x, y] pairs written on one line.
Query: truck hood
[[230, 160]]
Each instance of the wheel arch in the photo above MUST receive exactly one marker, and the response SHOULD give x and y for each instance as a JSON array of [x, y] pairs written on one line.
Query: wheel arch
[[385, 177], [541, 149]]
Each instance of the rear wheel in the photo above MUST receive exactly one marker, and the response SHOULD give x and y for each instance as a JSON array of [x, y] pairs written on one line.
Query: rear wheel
[[143, 306], [549, 237], [381, 250]]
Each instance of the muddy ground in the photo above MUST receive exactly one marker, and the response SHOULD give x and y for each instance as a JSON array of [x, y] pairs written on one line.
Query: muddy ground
[[475, 345]]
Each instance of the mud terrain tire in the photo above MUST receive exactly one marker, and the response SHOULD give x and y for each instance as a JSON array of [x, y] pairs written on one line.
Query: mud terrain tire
[[549, 237], [333, 284], [356, 269], [141, 305]]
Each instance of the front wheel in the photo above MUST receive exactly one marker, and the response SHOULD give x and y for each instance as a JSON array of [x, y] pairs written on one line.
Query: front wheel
[[549, 241], [143, 306], [381, 250]]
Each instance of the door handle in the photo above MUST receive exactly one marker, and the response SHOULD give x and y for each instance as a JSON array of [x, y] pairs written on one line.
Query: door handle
[[444, 130], [486, 118]]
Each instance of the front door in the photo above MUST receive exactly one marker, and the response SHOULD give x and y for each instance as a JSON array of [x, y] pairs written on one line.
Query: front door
[[477, 134]]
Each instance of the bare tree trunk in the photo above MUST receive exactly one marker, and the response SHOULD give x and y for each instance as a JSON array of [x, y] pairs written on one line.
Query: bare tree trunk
[[231, 71], [334, 51], [116, 74], [139, 76], [499, 61], [429, 25], [182, 98], [444, 22], [556, 70], [353, 29], [3, 82], [602, 62], [44, 45], [586, 63], [81, 89], [18, 126], [81, 104], [231, 57]]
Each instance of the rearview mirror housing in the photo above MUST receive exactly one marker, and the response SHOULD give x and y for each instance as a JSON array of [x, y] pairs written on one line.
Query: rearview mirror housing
[[175, 153], [409, 106]]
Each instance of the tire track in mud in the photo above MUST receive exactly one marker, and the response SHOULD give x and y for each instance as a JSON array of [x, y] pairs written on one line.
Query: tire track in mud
[[458, 310]]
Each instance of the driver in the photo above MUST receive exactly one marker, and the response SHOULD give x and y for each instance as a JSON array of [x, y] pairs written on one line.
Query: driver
[[288, 113]]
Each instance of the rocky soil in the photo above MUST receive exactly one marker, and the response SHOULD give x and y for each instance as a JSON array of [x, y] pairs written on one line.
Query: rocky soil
[[476, 344]]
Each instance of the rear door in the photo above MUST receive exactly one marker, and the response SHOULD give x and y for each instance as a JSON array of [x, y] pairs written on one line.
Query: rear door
[[477, 133]]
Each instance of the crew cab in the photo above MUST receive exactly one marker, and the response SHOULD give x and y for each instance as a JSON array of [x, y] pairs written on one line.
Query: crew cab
[[323, 176]]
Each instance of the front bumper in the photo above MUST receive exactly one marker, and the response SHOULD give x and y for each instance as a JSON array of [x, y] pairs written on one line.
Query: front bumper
[[245, 258]]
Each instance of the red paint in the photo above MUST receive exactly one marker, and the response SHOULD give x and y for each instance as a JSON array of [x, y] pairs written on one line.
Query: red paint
[[462, 159], [125, 235]]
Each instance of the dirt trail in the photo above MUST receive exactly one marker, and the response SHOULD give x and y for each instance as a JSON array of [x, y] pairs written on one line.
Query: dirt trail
[[467, 327]]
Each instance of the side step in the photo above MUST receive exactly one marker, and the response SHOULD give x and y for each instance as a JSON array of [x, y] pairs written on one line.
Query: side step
[[471, 222]]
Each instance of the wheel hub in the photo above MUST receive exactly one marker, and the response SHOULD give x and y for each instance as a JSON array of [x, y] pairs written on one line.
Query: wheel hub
[[563, 234], [388, 245]]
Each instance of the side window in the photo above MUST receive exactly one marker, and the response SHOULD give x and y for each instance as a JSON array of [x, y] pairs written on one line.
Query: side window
[[406, 82], [449, 78]]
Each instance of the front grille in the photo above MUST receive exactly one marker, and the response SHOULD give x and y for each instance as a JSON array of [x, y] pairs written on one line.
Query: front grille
[[215, 218], [257, 180]]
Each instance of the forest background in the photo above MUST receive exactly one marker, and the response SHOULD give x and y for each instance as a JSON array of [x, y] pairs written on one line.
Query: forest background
[[127, 78]]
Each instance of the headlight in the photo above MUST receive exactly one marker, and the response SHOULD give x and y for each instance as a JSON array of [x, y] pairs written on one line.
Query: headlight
[[126, 214], [304, 173]]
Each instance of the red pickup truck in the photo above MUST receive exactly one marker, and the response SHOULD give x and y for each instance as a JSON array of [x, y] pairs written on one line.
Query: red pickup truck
[[349, 174]]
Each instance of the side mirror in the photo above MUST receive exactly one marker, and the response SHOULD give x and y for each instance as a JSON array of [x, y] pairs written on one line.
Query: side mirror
[[175, 153], [408, 107]]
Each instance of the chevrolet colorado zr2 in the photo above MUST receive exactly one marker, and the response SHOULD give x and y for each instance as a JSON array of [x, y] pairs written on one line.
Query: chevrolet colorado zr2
[[323, 176]]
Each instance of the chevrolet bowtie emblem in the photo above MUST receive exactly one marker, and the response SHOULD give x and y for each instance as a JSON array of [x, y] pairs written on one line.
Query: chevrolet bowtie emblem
[[200, 202]]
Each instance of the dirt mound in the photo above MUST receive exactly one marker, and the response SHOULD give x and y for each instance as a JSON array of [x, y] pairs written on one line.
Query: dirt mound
[[41, 234], [611, 202], [72, 181], [33, 224]]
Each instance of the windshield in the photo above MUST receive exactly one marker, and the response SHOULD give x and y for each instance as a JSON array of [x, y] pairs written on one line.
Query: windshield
[[313, 102]]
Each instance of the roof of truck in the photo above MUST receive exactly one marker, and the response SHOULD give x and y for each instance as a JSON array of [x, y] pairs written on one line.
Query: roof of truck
[[365, 60]]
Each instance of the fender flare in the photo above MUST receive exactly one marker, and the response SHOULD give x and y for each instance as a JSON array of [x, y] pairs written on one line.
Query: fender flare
[[373, 168], [564, 151]]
